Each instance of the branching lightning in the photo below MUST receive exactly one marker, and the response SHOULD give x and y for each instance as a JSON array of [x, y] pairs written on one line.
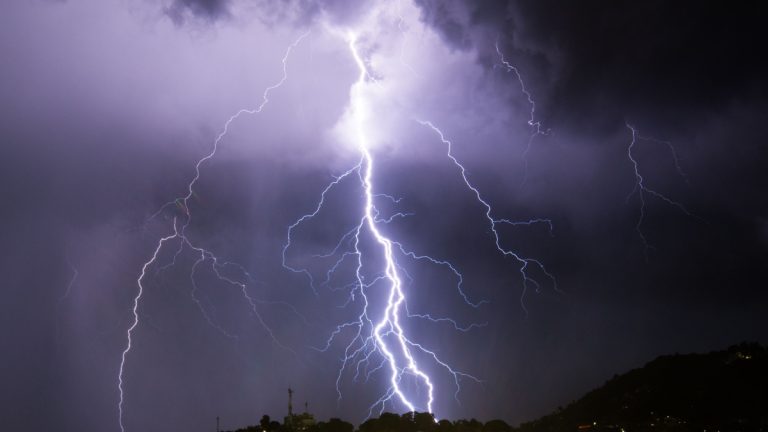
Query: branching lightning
[[376, 340], [379, 342], [66, 294], [524, 262], [179, 235]]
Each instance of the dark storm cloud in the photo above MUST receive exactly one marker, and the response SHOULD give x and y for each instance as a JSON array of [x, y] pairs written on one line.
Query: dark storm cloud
[[591, 63], [300, 12], [691, 72], [208, 10], [103, 118], [654, 62]]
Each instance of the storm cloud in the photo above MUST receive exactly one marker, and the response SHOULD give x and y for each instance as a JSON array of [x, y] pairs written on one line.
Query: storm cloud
[[107, 105]]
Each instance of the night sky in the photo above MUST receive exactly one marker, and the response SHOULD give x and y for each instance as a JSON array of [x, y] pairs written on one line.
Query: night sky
[[106, 107]]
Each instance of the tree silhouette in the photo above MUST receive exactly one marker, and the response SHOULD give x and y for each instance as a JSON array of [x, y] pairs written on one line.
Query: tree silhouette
[[496, 426]]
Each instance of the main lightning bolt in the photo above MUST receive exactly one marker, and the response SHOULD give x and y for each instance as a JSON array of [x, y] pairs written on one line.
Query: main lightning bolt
[[389, 323], [381, 336], [178, 235]]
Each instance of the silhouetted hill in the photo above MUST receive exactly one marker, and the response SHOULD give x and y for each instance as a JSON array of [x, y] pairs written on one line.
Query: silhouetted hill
[[719, 391], [722, 391]]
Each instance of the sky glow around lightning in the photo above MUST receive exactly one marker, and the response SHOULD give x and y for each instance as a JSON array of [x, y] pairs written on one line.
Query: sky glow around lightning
[[382, 336], [387, 205], [377, 343]]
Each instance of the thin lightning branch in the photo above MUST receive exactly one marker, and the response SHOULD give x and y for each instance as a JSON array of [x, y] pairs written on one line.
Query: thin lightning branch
[[68, 290], [183, 202], [193, 293], [389, 324], [672, 150], [429, 317], [453, 270], [451, 321], [547, 222], [64, 297], [523, 261], [535, 125], [243, 289], [401, 27], [311, 215], [135, 322], [180, 233], [641, 190]]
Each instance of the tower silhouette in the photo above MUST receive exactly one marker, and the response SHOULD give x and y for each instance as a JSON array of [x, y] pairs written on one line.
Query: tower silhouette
[[290, 402]]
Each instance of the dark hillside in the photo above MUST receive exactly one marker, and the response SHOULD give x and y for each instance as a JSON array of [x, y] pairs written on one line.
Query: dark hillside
[[723, 390]]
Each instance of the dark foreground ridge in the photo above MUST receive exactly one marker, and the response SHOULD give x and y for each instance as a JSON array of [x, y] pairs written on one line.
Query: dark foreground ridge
[[719, 391], [725, 391]]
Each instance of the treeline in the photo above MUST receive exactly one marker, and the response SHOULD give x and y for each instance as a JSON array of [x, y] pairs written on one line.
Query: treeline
[[266, 424], [425, 422], [389, 422], [718, 391]]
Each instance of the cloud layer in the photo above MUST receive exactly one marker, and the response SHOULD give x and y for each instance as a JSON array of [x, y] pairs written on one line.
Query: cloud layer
[[106, 109]]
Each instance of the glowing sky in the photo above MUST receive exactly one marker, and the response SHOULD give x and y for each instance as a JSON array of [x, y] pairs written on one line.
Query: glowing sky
[[107, 106]]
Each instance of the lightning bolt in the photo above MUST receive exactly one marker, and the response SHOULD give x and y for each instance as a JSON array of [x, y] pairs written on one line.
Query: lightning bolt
[[378, 341], [641, 190], [178, 234], [379, 334]]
